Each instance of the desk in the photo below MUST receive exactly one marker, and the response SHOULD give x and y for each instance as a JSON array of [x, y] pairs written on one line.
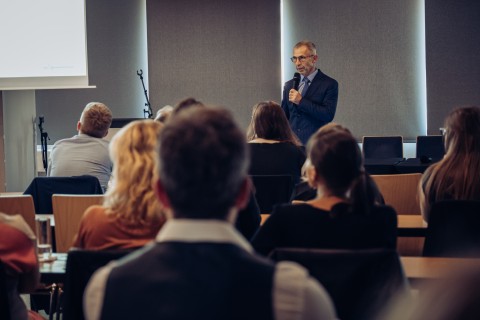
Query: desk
[[411, 226], [429, 268], [415, 268], [413, 165], [381, 166], [396, 165], [54, 272]]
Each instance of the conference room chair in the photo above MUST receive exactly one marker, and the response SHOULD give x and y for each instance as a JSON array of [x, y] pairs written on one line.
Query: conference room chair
[[81, 264], [453, 229], [42, 189], [400, 191], [4, 302], [68, 210], [378, 147], [360, 282], [430, 147], [271, 190], [19, 204]]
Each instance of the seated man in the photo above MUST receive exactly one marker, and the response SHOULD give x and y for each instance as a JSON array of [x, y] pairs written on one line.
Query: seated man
[[87, 152], [199, 267]]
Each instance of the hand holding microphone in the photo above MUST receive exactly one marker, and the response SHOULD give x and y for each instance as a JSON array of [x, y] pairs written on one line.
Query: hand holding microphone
[[293, 95]]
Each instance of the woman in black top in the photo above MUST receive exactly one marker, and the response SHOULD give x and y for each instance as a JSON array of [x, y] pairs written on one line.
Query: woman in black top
[[344, 213], [274, 148]]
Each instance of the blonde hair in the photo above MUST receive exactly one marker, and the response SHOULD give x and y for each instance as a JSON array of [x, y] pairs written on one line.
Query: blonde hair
[[95, 120], [131, 197]]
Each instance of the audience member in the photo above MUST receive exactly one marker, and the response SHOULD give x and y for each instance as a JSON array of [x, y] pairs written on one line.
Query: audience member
[[186, 103], [87, 152], [344, 213], [199, 266], [249, 219], [274, 148], [455, 176], [130, 216], [19, 256], [304, 192], [164, 113]]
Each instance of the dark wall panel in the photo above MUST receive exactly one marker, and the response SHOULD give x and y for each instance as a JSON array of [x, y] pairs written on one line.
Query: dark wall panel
[[453, 57], [222, 52]]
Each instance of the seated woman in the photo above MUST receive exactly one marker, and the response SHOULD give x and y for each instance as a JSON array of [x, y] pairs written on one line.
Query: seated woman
[[19, 257], [304, 192], [343, 215], [131, 215], [274, 148], [455, 177]]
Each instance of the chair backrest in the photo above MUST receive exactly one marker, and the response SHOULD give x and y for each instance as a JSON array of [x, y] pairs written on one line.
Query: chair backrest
[[360, 282], [453, 229], [42, 189], [271, 190], [382, 147], [4, 301], [19, 204], [68, 210], [400, 191], [81, 264], [430, 147]]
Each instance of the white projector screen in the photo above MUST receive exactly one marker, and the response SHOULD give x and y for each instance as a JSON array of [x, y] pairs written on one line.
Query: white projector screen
[[43, 44]]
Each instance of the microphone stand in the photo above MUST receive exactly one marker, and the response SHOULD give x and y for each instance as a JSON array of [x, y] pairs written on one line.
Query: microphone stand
[[43, 138], [147, 113]]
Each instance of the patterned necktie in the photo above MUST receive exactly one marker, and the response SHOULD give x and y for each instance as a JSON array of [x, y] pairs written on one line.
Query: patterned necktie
[[306, 83]]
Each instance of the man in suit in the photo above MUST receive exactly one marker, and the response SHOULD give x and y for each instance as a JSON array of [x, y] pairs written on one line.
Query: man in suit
[[315, 102], [199, 266]]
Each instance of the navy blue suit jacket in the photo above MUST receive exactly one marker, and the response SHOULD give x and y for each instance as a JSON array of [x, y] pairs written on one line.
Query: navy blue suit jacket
[[316, 108]]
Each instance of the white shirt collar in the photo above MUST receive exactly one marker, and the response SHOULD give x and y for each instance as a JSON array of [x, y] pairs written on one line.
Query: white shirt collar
[[193, 230]]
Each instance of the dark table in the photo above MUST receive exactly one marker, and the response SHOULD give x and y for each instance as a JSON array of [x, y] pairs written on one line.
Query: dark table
[[381, 166], [396, 165], [413, 165], [54, 272]]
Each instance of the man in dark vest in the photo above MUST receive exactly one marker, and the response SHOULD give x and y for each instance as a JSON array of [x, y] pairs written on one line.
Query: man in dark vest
[[199, 266]]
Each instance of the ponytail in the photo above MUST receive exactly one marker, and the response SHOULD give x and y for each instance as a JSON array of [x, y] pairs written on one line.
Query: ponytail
[[364, 194]]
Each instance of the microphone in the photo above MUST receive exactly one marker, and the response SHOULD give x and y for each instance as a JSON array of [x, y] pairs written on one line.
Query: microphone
[[296, 80]]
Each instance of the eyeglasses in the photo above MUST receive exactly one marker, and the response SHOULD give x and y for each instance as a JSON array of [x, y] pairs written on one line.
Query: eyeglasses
[[300, 58]]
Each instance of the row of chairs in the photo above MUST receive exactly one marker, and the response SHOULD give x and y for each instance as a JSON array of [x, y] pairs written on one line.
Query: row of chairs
[[68, 210], [381, 147]]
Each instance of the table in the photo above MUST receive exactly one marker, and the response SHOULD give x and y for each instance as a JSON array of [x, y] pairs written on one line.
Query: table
[[415, 268], [432, 268], [411, 225], [413, 165], [381, 166], [54, 272], [396, 165]]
